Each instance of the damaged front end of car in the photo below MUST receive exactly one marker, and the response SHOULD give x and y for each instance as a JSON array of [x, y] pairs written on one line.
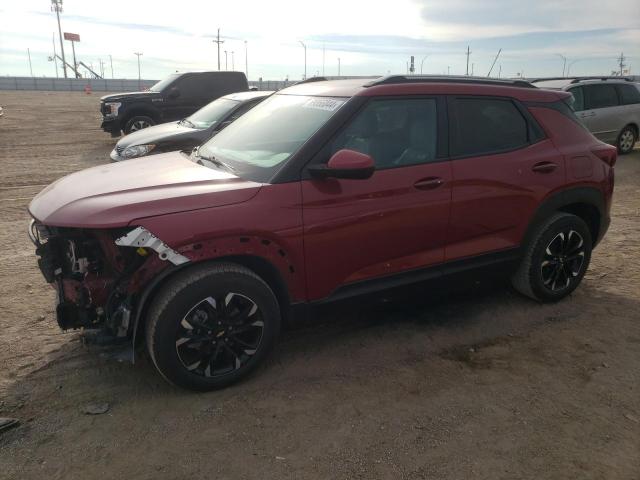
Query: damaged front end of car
[[101, 276]]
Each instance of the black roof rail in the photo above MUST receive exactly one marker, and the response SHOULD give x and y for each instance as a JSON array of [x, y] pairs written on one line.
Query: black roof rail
[[605, 77], [395, 79]]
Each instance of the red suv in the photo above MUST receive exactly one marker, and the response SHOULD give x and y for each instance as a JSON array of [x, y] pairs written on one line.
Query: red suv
[[326, 190]]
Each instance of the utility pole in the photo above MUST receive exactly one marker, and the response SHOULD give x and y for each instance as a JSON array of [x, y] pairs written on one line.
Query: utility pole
[[226, 66], [422, 63], [101, 67], [218, 41], [246, 61], [468, 54], [448, 70], [55, 54], [500, 71], [111, 62], [233, 63], [338, 66], [29, 55], [472, 68], [621, 63], [56, 6], [305, 59], [139, 54]]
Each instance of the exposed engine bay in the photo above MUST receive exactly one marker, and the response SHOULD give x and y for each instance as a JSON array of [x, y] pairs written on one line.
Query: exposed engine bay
[[99, 275]]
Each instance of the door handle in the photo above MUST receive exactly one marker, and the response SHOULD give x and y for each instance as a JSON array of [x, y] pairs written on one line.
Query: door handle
[[590, 114], [428, 183], [544, 167]]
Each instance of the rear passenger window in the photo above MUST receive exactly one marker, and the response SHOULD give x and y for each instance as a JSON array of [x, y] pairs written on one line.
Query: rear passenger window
[[600, 96], [629, 94], [395, 133], [484, 126]]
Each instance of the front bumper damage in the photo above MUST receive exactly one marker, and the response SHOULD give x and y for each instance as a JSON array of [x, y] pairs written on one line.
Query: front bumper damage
[[100, 276]]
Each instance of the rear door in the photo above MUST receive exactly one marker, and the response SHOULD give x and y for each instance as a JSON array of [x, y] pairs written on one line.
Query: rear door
[[602, 111], [502, 167], [393, 222]]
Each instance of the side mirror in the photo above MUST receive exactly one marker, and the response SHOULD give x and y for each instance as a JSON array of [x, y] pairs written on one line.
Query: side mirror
[[174, 93], [224, 125], [347, 164]]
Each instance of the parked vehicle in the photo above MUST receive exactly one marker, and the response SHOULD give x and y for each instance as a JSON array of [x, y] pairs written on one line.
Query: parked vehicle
[[323, 191], [175, 97], [188, 132], [608, 106]]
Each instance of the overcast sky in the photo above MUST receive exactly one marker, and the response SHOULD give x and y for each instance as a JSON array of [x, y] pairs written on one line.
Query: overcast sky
[[369, 36]]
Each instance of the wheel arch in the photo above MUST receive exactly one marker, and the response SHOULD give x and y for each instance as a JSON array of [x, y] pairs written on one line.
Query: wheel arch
[[266, 270], [140, 109], [588, 203]]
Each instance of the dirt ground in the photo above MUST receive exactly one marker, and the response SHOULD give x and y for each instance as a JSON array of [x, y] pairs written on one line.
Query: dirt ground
[[479, 384]]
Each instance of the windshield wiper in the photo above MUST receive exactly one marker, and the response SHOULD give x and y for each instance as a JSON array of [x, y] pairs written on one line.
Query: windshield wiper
[[210, 159], [186, 122]]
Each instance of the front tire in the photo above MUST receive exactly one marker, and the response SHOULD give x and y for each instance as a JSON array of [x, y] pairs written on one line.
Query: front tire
[[138, 122], [211, 326], [555, 260], [626, 140]]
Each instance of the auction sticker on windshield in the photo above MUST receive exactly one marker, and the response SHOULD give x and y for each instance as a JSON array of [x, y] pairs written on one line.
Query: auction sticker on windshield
[[328, 104]]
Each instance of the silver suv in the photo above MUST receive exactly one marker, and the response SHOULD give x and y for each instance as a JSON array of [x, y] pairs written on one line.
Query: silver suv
[[608, 106]]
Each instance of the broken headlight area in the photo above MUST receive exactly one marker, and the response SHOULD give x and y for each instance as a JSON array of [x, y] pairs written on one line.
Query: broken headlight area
[[97, 281]]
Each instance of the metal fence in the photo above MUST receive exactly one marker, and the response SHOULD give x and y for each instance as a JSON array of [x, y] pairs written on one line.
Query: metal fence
[[104, 85], [73, 84]]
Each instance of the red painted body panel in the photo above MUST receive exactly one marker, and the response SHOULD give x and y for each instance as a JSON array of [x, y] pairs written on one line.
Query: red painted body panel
[[269, 226], [495, 197], [356, 230], [111, 195]]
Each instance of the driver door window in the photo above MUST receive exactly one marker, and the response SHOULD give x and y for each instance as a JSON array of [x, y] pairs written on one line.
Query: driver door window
[[396, 133]]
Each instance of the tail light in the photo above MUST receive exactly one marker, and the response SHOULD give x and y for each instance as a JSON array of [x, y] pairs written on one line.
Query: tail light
[[606, 153]]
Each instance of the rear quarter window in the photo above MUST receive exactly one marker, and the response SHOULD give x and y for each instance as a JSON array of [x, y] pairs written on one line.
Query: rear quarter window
[[483, 126], [629, 94]]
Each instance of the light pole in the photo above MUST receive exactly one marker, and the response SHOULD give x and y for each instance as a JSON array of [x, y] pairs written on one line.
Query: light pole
[[564, 63], [246, 60], [56, 6], [139, 54], [29, 55], [422, 63], [225, 61], [233, 63], [111, 62], [305, 59], [570, 64], [338, 66]]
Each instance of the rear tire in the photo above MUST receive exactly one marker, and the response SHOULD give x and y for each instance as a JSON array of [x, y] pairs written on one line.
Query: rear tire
[[138, 122], [555, 260], [211, 326], [626, 140]]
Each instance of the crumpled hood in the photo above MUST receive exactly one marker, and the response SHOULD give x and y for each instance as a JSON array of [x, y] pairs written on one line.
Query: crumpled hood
[[114, 195]]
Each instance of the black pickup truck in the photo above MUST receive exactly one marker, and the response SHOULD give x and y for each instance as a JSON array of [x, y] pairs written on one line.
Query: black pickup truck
[[174, 98]]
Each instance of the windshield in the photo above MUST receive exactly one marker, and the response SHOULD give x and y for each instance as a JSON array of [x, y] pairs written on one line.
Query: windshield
[[212, 113], [260, 141], [162, 84]]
